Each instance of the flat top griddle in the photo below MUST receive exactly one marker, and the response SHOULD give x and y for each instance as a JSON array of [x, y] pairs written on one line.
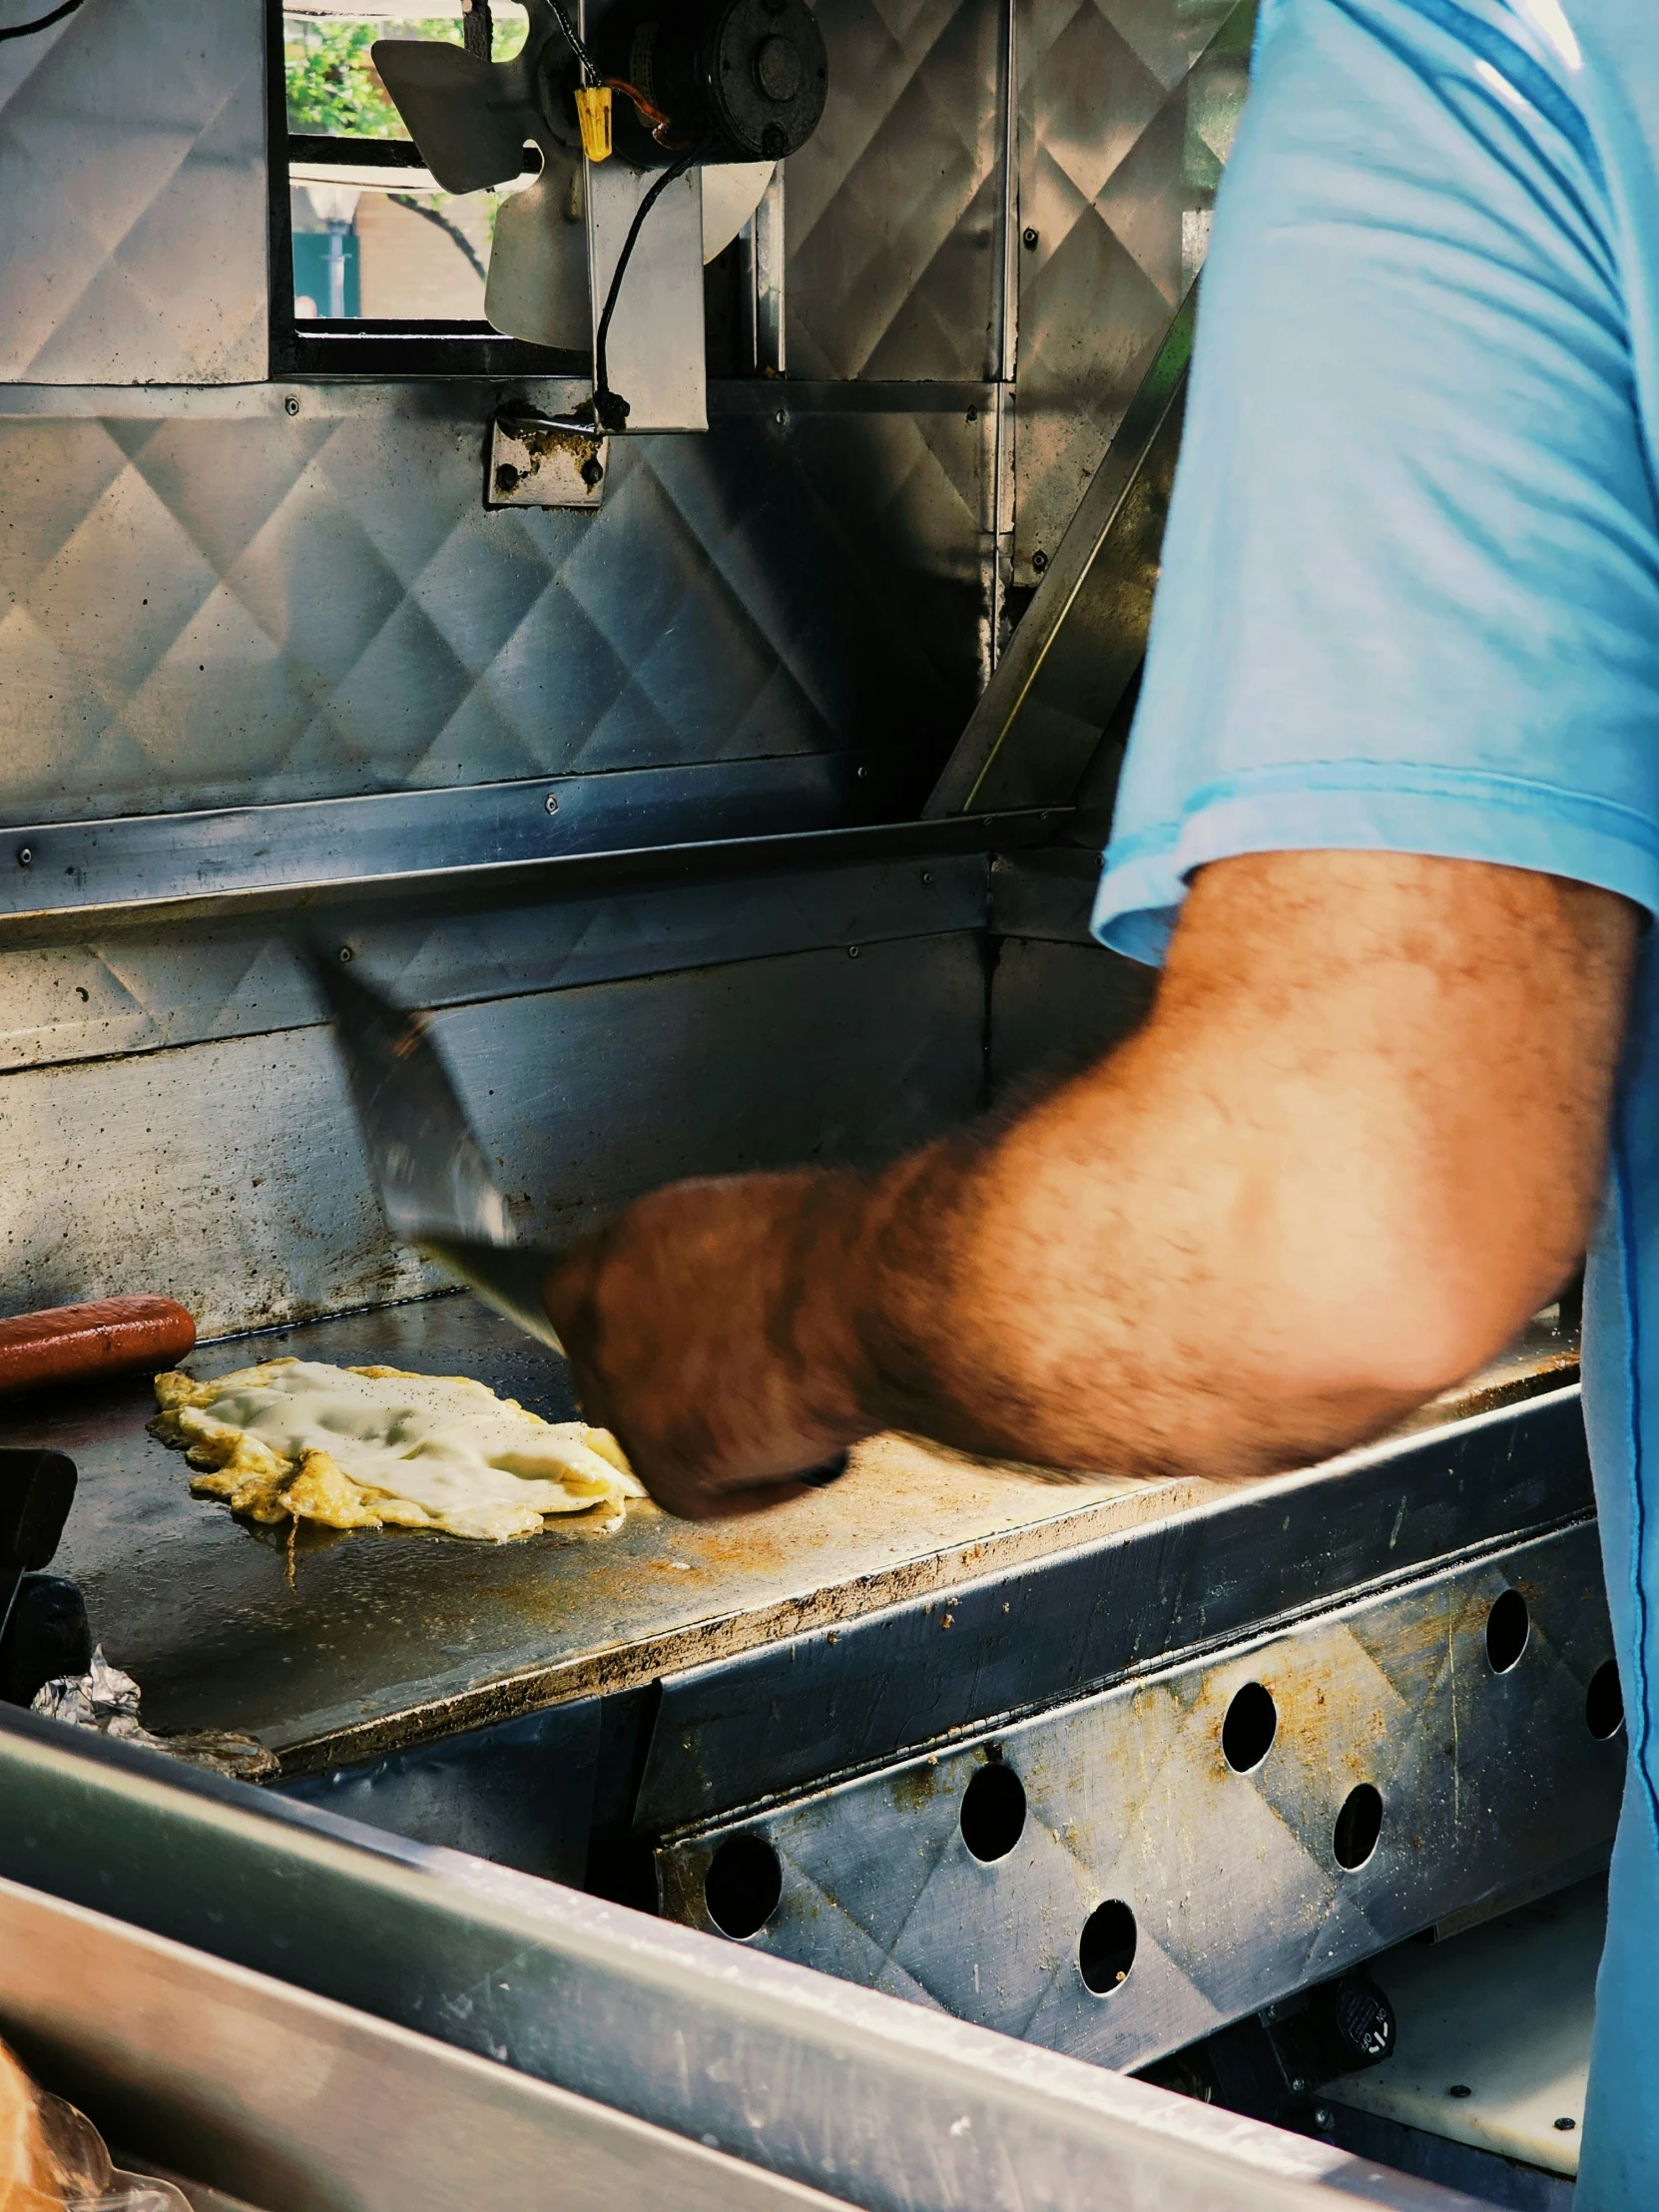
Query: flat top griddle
[[388, 1638]]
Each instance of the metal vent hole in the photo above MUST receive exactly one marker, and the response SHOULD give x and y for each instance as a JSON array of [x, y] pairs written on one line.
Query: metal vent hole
[[1106, 1948], [1248, 1731], [1604, 1702], [1509, 1625], [1359, 1825], [743, 1886], [994, 1812]]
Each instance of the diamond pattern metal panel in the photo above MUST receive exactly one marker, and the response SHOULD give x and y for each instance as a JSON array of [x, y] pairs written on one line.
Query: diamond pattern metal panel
[[133, 179], [1127, 110], [200, 612], [1486, 1778], [893, 207]]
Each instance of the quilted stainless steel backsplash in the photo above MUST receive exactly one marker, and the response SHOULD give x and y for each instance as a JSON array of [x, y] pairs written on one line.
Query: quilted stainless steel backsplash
[[219, 603], [133, 185], [896, 206], [1127, 110], [203, 608]]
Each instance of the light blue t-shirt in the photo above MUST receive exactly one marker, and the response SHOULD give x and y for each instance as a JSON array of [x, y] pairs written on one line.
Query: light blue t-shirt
[[1410, 603]]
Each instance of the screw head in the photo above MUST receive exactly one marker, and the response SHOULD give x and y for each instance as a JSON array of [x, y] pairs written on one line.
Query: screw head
[[593, 475], [1566, 2126], [927, 874], [1028, 239], [853, 952], [506, 478], [1459, 2089], [346, 956], [782, 418], [551, 803], [25, 856], [864, 773], [972, 415], [1039, 561], [290, 406], [1322, 2115]]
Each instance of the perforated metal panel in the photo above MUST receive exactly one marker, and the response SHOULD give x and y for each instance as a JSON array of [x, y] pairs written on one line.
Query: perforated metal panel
[[133, 191], [1226, 1874]]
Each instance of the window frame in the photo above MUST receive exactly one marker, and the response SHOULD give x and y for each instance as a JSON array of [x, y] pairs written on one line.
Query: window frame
[[328, 350]]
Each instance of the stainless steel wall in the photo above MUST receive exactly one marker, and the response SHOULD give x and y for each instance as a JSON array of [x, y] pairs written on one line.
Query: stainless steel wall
[[219, 591], [1126, 115], [1059, 1000], [210, 601], [228, 1173], [133, 185], [895, 211]]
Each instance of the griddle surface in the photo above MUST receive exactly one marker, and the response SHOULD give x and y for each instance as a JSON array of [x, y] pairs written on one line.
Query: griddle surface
[[386, 1637]]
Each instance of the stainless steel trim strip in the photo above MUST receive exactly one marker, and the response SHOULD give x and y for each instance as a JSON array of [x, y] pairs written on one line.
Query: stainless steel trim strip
[[292, 2102], [139, 861], [332, 399]]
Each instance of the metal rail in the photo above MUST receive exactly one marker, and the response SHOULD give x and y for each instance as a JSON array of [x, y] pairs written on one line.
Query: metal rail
[[875, 2102]]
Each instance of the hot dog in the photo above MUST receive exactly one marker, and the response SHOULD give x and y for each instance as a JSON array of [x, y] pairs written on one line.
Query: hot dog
[[111, 1335]]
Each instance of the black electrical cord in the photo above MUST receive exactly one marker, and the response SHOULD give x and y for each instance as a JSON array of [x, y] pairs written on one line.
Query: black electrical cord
[[585, 60], [478, 30], [611, 410], [41, 22]]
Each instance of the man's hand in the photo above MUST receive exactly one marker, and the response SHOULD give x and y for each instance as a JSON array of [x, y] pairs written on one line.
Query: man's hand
[[1358, 1140], [695, 1337]]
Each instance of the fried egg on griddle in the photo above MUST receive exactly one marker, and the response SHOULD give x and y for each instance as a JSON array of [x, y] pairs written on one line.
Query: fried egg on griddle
[[375, 1448]]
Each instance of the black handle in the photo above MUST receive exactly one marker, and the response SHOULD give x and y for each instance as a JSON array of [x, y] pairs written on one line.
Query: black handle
[[37, 1490]]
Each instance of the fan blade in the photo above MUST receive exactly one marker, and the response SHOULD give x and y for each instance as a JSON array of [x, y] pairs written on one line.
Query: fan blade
[[538, 280], [732, 192], [470, 118]]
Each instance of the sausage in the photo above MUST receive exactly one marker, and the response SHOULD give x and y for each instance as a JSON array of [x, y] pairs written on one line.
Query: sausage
[[73, 1344]]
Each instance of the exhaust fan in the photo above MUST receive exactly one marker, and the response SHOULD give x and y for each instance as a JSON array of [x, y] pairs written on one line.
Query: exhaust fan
[[726, 88]]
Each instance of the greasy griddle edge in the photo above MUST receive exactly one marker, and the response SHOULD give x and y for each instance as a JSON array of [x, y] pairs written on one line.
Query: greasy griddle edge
[[1519, 1376]]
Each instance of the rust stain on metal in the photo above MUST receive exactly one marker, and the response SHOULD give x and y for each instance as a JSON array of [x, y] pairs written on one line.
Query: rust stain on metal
[[542, 443], [913, 1787]]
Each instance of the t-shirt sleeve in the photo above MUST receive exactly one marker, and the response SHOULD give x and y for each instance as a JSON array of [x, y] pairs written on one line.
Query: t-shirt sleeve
[[1410, 587]]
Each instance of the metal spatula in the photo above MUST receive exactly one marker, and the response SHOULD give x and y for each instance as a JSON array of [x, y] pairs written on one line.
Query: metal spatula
[[430, 1174]]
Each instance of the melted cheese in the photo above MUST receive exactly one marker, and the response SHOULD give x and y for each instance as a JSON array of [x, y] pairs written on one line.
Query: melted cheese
[[367, 1447]]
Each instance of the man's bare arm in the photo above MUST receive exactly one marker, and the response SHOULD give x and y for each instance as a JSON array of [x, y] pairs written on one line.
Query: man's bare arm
[[1360, 1138]]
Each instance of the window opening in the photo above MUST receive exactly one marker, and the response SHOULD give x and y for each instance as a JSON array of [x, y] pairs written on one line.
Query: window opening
[[376, 269]]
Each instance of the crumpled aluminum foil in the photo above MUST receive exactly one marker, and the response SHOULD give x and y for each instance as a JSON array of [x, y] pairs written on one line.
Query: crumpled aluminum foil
[[108, 1700]]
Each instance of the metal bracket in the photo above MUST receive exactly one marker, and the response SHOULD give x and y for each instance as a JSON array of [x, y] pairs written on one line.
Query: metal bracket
[[538, 460]]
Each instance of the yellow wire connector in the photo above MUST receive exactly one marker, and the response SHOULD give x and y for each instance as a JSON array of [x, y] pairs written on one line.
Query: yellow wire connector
[[593, 111]]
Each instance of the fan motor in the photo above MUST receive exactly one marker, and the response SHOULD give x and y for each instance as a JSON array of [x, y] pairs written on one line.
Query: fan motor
[[741, 80]]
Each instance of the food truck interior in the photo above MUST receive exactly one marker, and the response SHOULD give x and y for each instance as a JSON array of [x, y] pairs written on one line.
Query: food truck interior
[[718, 737]]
